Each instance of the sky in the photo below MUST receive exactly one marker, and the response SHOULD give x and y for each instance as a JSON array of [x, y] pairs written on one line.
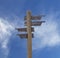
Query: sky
[[46, 41]]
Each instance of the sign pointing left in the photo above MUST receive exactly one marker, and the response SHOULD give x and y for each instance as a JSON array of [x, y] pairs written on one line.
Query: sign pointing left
[[24, 35], [24, 29]]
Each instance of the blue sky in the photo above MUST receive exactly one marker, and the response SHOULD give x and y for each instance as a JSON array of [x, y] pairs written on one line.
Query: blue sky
[[45, 44]]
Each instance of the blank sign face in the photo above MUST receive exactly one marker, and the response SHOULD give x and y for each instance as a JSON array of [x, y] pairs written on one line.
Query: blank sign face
[[24, 29], [24, 35]]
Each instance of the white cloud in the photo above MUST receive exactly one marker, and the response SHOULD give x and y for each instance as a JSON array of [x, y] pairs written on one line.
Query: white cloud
[[5, 33], [47, 34], [6, 30]]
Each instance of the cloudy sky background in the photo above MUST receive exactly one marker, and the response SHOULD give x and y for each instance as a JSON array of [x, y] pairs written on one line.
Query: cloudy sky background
[[46, 41]]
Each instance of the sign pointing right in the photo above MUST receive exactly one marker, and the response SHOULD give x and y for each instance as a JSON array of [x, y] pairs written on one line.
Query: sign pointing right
[[35, 17], [36, 23]]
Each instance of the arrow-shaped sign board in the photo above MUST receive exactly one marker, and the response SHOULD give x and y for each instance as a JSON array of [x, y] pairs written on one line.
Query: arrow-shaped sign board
[[34, 17], [37, 23], [24, 29], [24, 35]]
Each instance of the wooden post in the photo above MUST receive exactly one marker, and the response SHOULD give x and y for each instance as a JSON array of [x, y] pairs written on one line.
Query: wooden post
[[29, 30], [29, 40]]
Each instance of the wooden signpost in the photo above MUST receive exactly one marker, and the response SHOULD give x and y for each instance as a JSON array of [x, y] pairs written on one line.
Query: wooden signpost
[[29, 29]]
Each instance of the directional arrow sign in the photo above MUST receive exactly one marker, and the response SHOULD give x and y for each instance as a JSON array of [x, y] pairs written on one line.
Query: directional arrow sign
[[34, 17], [24, 35], [24, 29], [37, 23]]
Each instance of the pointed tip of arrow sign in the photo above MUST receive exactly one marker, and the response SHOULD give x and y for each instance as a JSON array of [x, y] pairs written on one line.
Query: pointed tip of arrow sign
[[15, 28], [43, 21], [43, 15]]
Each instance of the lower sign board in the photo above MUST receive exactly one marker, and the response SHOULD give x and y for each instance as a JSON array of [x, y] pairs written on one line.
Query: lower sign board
[[37, 23], [24, 35], [24, 29]]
